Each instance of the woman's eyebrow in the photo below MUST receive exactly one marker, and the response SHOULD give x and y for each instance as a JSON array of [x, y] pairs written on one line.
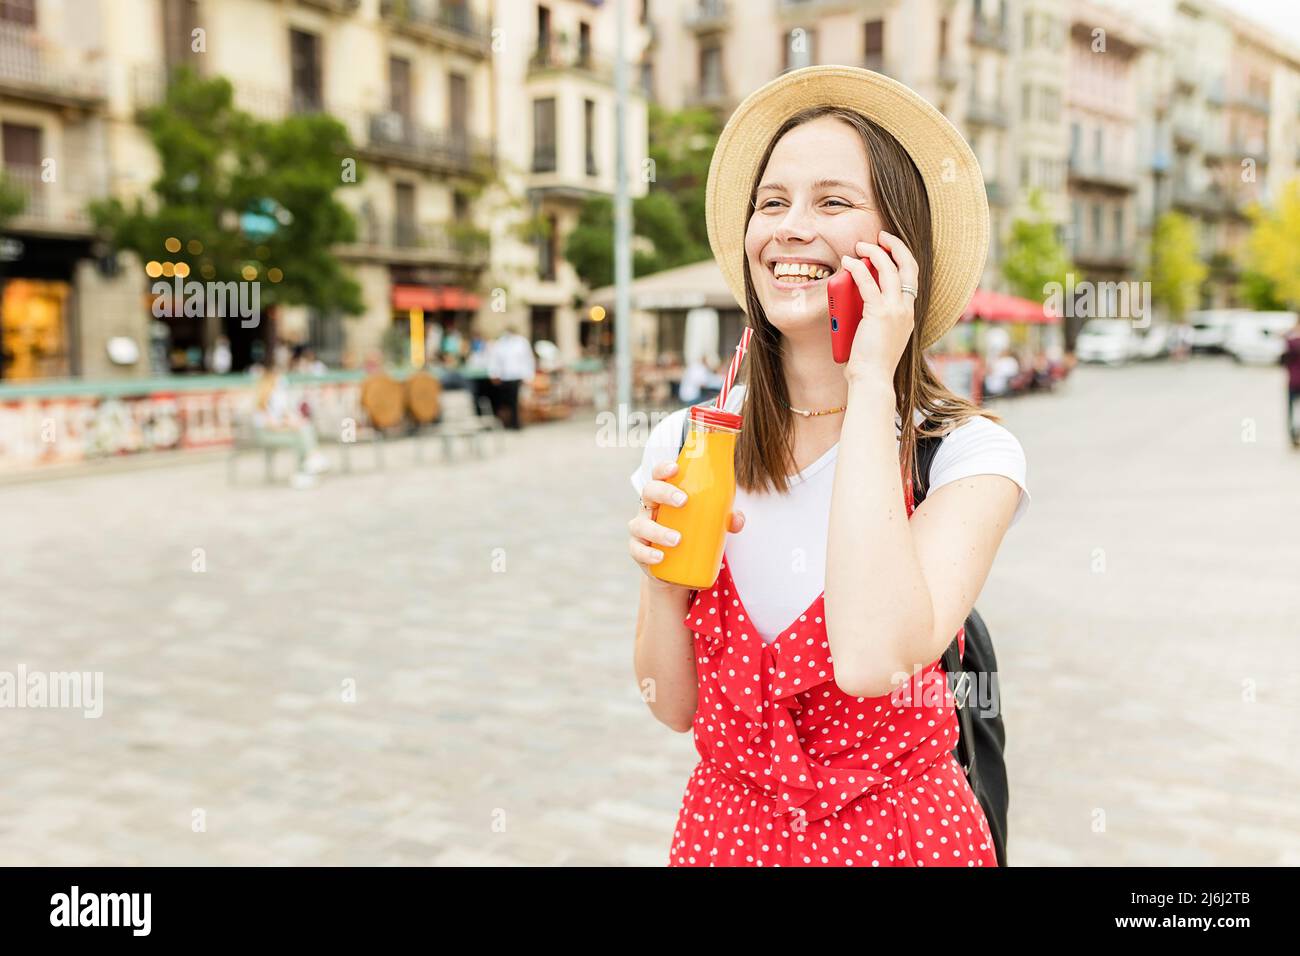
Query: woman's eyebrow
[[819, 184]]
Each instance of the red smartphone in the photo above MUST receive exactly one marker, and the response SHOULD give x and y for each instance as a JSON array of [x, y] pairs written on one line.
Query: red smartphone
[[844, 303]]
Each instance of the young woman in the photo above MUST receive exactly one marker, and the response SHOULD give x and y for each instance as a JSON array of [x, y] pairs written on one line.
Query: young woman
[[798, 669]]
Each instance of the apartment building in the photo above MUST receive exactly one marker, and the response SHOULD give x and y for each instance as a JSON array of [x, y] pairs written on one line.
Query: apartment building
[[53, 94], [1102, 112], [555, 110], [1222, 96], [410, 79], [994, 67]]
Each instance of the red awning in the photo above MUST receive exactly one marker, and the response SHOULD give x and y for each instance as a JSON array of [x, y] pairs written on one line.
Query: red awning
[[999, 307], [415, 297], [443, 298], [456, 299]]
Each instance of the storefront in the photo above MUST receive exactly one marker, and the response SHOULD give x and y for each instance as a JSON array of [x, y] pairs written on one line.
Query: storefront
[[429, 321], [38, 329]]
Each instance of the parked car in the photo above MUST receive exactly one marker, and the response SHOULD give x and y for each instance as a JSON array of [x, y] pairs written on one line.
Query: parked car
[[1258, 337], [1156, 342], [1208, 329], [1111, 341]]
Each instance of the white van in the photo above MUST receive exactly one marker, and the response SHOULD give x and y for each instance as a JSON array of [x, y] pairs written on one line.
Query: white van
[[1208, 329], [1111, 341], [1258, 337]]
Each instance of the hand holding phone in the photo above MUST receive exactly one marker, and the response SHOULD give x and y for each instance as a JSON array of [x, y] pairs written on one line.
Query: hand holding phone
[[844, 302]]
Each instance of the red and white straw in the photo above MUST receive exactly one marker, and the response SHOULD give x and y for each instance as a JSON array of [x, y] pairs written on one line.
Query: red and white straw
[[735, 366]]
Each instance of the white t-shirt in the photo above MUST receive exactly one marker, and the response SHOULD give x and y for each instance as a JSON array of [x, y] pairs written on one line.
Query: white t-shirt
[[779, 560], [510, 358]]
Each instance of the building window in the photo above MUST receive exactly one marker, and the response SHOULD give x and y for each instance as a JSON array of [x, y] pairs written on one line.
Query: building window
[[1119, 226], [943, 38], [458, 106], [541, 323], [1096, 223], [404, 228], [547, 249], [544, 137], [799, 48], [711, 71], [543, 31], [180, 18], [21, 12], [589, 134], [874, 45], [459, 206], [305, 71], [399, 87], [1026, 101], [584, 44]]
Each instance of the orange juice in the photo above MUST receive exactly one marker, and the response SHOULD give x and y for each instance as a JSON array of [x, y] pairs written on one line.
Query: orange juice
[[706, 471]]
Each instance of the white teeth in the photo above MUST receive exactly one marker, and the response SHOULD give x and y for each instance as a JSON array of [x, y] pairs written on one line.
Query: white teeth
[[799, 269]]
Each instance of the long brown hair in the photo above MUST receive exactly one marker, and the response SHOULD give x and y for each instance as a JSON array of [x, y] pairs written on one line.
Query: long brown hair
[[765, 449]]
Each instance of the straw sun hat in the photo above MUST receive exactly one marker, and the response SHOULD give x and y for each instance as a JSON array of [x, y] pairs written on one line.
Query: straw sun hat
[[959, 209]]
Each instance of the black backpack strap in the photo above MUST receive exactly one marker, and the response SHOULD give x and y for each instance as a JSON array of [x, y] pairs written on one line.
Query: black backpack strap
[[926, 448]]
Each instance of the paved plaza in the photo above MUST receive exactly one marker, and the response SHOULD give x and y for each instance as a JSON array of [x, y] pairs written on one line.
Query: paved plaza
[[432, 664]]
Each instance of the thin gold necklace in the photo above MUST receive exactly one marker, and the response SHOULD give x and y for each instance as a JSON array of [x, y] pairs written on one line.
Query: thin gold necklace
[[807, 414]]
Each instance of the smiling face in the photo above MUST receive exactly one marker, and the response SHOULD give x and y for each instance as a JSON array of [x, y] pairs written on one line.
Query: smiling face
[[814, 202]]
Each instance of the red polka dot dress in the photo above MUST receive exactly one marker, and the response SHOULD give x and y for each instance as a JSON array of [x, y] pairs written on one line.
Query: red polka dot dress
[[795, 772]]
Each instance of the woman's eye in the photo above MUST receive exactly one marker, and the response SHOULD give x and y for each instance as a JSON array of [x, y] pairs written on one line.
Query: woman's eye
[[768, 203], [840, 202]]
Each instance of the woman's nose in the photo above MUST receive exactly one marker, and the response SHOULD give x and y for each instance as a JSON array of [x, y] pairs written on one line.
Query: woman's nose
[[796, 225]]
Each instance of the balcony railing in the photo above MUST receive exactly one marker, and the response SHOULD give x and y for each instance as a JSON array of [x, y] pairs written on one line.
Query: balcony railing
[[438, 20], [49, 206], [1253, 101], [707, 15], [389, 135], [1103, 173], [398, 137], [711, 94], [878, 63], [550, 56], [987, 111], [545, 160], [1104, 253], [334, 6], [30, 69], [443, 241], [989, 33]]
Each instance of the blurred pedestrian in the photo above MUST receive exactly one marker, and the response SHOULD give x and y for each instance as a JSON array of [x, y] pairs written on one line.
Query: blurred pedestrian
[[219, 358], [510, 364], [280, 423], [1291, 359], [700, 381]]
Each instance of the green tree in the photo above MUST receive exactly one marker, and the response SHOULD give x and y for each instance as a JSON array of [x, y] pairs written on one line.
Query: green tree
[[1258, 292], [12, 199], [1176, 267], [243, 194], [1034, 254], [668, 222], [1273, 248]]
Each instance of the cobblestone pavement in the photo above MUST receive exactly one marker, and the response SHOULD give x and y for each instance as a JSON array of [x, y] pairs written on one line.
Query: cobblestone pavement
[[1145, 612]]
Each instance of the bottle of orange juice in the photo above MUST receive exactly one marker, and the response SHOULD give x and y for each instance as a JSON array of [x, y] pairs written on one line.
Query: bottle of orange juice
[[706, 471]]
